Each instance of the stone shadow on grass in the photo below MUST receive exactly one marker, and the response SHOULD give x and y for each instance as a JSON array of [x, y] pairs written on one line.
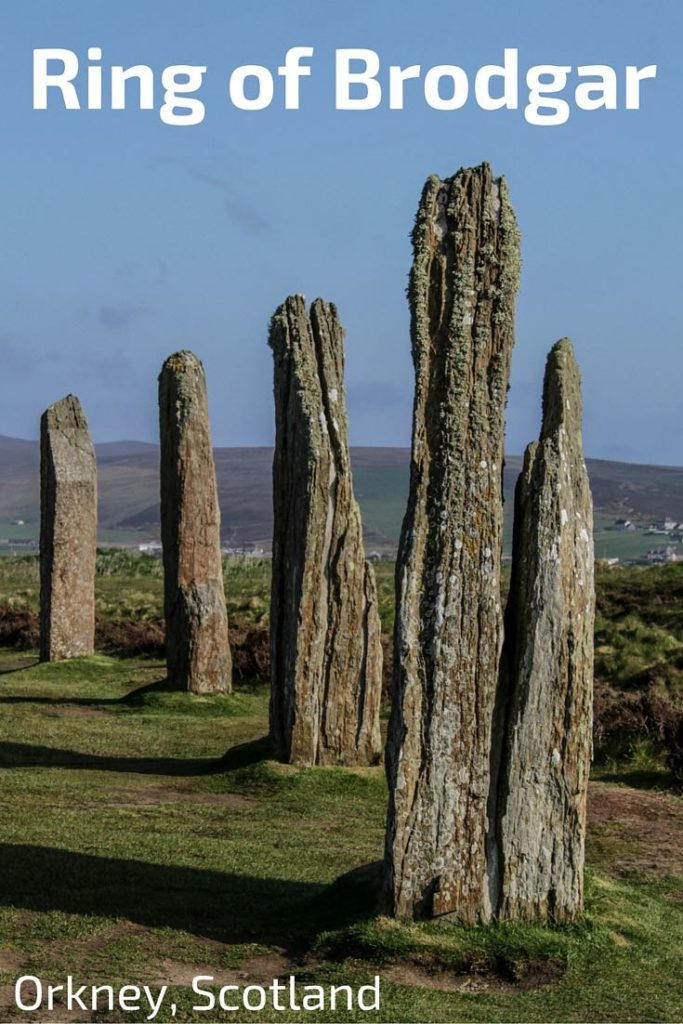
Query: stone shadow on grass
[[227, 907], [243, 755], [29, 755], [132, 698], [654, 781], [14, 668]]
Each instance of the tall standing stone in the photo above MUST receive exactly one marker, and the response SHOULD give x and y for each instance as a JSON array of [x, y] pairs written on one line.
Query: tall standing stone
[[68, 532], [448, 632], [326, 658], [541, 813], [197, 648]]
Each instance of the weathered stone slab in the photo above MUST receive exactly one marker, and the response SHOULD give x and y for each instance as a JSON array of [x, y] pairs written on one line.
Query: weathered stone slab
[[541, 810], [448, 631], [68, 532], [197, 648], [326, 657]]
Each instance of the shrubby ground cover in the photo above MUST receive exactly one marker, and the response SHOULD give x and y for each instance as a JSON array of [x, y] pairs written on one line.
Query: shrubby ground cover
[[146, 836]]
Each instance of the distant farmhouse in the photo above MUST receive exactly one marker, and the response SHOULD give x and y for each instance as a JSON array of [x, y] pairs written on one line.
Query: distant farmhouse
[[247, 551], [666, 527], [660, 556], [663, 528], [150, 547]]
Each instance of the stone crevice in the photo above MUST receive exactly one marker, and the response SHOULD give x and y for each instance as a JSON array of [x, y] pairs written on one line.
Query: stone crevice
[[68, 532], [197, 647], [325, 631]]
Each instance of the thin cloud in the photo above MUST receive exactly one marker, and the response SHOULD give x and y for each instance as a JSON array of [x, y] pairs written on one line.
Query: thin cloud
[[234, 203], [119, 317], [60, 365]]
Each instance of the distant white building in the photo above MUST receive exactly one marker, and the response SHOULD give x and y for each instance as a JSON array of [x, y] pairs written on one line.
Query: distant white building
[[664, 526], [660, 556], [245, 552], [150, 547]]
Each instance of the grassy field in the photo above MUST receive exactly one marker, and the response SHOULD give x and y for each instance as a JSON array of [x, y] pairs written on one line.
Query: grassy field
[[131, 852], [639, 622], [134, 851], [30, 530], [131, 586], [383, 503], [129, 496], [611, 543]]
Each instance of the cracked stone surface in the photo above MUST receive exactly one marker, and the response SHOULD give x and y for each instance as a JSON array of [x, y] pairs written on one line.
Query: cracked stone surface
[[448, 632], [197, 648], [68, 532], [326, 656], [541, 812]]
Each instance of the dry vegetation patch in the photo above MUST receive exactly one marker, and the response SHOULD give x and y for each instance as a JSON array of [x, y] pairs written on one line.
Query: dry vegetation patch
[[647, 828]]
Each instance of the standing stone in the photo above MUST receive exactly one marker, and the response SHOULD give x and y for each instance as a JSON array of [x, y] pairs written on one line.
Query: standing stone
[[326, 657], [448, 632], [549, 649], [197, 648], [68, 532]]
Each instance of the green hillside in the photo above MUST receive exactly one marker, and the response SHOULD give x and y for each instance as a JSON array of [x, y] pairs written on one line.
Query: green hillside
[[129, 502]]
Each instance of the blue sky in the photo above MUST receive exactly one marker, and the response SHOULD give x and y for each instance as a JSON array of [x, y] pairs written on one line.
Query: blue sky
[[124, 239]]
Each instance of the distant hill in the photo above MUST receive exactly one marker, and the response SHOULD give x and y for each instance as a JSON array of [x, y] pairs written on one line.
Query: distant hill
[[128, 489]]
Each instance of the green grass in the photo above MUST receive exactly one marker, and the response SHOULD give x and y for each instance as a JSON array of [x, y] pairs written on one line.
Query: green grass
[[30, 530], [382, 496], [129, 585], [639, 625], [639, 622], [131, 852], [611, 543], [639, 629]]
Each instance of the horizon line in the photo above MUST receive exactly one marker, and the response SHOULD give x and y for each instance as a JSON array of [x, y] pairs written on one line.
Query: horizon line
[[379, 447]]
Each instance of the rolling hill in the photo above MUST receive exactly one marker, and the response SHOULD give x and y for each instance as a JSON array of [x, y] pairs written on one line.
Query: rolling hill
[[128, 490]]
